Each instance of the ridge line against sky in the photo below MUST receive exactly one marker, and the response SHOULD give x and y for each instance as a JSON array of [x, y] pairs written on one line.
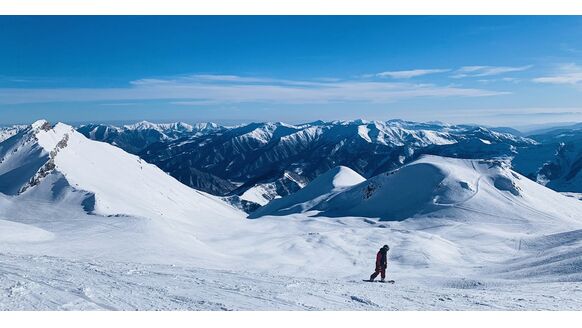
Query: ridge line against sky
[[457, 69]]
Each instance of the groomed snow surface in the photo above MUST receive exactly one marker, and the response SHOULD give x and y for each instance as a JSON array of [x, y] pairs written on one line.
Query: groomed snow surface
[[88, 226], [42, 282]]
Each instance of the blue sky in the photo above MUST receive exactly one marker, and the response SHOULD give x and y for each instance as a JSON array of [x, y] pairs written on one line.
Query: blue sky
[[495, 70]]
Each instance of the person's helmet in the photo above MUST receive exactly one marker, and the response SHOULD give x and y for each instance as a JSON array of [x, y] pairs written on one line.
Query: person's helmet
[[386, 247]]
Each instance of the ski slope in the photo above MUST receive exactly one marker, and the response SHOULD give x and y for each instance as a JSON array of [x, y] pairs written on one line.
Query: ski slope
[[43, 282]]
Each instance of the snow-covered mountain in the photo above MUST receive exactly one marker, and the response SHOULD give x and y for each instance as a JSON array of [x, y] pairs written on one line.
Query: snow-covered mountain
[[56, 169], [121, 183], [430, 186], [256, 163], [556, 161], [263, 161], [438, 186], [134, 138]]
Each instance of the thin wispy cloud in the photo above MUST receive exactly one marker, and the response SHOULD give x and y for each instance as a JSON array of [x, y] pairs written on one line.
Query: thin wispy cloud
[[221, 79], [480, 71], [407, 74], [497, 80], [120, 104], [225, 89], [565, 74], [518, 117]]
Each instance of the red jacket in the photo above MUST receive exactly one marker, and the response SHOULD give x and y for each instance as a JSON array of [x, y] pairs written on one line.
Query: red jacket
[[381, 261]]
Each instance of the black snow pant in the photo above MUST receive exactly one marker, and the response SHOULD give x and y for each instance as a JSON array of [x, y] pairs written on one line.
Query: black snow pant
[[379, 271]]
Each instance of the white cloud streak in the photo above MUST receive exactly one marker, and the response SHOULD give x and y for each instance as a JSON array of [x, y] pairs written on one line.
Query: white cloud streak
[[565, 74], [411, 73], [229, 89], [480, 71]]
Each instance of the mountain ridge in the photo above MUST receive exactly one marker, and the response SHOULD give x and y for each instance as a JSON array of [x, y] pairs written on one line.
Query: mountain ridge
[[259, 162]]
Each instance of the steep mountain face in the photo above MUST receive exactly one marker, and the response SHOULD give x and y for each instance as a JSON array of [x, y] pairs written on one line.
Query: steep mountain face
[[134, 138], [8, 131], [263, 161], [21, 158], [556, 161]]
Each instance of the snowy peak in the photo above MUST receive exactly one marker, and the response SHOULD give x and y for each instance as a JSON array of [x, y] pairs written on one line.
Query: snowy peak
[[165, 127], [52, 139], [338, 177], [41, 124], [120, 183], [134, 138], [318, 190], [143, 125]]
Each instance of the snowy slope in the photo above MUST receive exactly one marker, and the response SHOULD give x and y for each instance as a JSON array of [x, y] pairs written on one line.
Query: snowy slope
[[443, 215], [97, 199], [318, 190], [18, 232], [28, 284], [123, 183]]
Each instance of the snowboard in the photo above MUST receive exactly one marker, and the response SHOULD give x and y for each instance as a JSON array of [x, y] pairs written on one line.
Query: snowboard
[[384, 282]]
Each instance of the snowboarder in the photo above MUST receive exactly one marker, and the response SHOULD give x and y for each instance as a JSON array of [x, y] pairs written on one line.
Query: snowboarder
[[381, 263]]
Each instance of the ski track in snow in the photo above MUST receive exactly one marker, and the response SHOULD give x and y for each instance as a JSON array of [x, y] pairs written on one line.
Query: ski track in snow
[[53, 283]]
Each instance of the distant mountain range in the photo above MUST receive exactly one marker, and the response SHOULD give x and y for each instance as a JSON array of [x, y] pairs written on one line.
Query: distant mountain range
[[258, 162], [7, 132], [252, 164]]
